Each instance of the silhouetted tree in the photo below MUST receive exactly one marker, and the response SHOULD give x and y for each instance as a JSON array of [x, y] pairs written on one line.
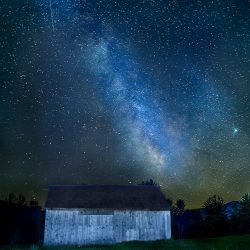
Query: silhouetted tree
[[177, 225], [16, 200], [180, 205], [244, 213], [245, 205], [215, 217], [11, 198], [214, 205], [20, 200]]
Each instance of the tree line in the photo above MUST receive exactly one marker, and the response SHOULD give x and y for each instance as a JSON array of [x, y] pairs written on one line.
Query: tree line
[[20, 200], [213, 219], [22, 221]]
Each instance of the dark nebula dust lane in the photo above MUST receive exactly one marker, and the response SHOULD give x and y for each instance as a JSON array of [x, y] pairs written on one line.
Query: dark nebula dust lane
[[117, 92]]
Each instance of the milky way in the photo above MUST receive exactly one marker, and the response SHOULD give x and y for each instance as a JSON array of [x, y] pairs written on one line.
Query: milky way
[[120, 92]]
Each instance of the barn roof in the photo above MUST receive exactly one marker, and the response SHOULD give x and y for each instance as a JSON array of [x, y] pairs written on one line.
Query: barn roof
[[137, 197]]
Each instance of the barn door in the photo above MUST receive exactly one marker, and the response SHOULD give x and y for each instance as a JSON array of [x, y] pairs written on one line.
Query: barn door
[[97, 229]]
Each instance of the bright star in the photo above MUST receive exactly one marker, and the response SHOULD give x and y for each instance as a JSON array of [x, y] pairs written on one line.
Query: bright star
[[235, 131]]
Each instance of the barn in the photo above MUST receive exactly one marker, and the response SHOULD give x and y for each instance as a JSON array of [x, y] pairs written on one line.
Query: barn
[[102, 214]]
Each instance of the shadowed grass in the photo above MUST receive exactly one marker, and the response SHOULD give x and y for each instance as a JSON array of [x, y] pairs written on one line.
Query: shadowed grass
[[225, 243]]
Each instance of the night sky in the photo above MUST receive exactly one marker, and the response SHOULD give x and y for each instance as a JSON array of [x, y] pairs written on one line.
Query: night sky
[[117, 92]]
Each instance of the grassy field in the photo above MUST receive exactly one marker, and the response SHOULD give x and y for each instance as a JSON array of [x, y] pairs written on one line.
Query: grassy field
[[226, 243]]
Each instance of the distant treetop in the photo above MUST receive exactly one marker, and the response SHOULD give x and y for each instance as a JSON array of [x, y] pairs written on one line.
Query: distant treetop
[[149, 182]]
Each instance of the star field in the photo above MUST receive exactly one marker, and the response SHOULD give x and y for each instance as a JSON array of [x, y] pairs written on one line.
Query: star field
[[117, 92]]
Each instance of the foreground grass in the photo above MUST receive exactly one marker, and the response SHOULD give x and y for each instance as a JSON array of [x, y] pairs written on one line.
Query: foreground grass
[[226, 243]]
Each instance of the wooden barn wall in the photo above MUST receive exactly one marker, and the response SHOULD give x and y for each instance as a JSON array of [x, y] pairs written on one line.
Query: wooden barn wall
[[80, 227]]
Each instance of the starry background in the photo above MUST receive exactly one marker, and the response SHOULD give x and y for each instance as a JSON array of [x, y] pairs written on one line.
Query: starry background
[[117, 92]]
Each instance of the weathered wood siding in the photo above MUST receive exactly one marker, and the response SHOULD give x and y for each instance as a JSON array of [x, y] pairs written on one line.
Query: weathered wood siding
[[81, 227]]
